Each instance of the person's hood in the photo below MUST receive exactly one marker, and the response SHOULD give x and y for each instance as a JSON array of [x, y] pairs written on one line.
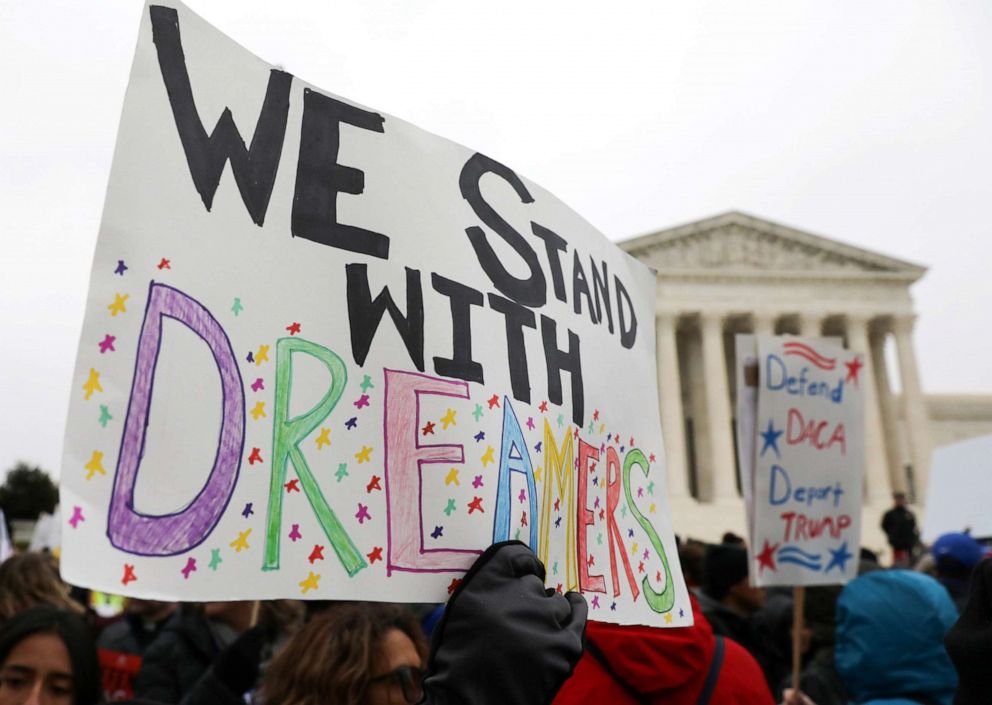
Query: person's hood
[[890, 636]]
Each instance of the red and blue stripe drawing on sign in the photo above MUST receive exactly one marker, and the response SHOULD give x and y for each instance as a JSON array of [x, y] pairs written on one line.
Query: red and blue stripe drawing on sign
[[794, 347]]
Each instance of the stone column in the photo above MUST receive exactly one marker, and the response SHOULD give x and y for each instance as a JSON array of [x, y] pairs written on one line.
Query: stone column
[[876, 465], [670, 397], [809, 324], [764, 323], [886, 405], [722, 466], [917, 417]]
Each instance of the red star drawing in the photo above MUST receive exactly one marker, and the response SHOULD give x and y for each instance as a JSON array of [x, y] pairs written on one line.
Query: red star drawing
[[640, 567], [375, 555], [293, 328], [853, 367], [595, 415], [373, 484], [255, 457], [494, 401], [129, 575], [543, 407], [592, 560], [317, 554], [575, 434], [602, 514], [476, 503], [293, 485], [455, 582], [557, 504], [559, 588], [766, 559], [164, 264], [631, 441], [428, 428], [657, 577]]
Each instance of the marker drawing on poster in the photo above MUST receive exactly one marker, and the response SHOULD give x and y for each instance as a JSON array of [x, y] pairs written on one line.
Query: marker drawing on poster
[[329, 355], [808, 462]]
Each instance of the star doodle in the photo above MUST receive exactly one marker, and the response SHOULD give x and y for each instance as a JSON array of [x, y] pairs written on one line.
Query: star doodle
[[366, 384], [595, 415], [77, 516], [255, 457], [118, 305], [480, 436], [293, 485], [129, 576], [766, 559], [105, 416], [258, 411], [668, 618], [373, 485], [651, 487], [681, 612], [530, 423], [558, 523], [557, 504], [258, 384], [351, 423], [310, 583], [488, 457], [543, 408], [477, 413], [853, 367], [107, 344], [375, 554], [476, 503], [293, 328], [215, 559], [839, 558], [248, 510], [362, 402], [262, 355], [522, 496], [342, 471], [452, 477], [241, 543], [237, 308], [438, 532], [164, 264], [362, 456], [295, 534], [92, 384], [448, 419], [640, 567], [493, 402], [623, 511], [561, 420], [190, 567], [323, 438], [121, 267], [613, 607], [363, 513], [477, 482], [450, 507], [554, 568], [537, 447], [317, 554], [427, 429], [95, 465], [595, 602], [770, 440], [250, 357]]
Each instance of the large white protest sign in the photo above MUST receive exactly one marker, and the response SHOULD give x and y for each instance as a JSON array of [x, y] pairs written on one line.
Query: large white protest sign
[[327, 354], [808, 463]]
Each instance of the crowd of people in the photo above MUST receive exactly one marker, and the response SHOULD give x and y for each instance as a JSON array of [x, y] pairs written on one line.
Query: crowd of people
[[893, 635]]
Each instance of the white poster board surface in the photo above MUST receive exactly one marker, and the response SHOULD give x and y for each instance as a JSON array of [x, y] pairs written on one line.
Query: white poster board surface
[[808, 463], [329, 355], [960, 490]]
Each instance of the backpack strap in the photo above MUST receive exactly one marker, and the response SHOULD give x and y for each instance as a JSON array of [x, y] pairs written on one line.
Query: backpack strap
[[595, 652], [716, 663]]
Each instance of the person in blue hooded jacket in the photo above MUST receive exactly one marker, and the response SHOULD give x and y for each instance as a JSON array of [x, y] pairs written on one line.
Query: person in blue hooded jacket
[[890, 640]]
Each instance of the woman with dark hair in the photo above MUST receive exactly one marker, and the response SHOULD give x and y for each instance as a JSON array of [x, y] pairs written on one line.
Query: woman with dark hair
[[352, 654], [47, 656], [29, 580]]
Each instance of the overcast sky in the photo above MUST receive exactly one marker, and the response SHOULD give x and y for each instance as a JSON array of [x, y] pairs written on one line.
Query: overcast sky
[[864, 122]]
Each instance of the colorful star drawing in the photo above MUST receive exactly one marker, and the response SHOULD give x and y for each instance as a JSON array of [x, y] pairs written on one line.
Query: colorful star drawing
[[487, 457], [595, 602], [363, 513], [95, 465], [480, 436], [248, 510], [595, 415], [164, 264], [450, 507], [118, 305], [324, 438], [215, 559], [427, 429], [522, 496], [77, 516], [293, 485], [452, 476], [853, 367], [92, 384], [362, 402], [311, 582], [839, 558], [543, 407], [190, 567], [530, 423], [107, 344], [477, 413], [766, 559], [258, 411], [363, 455], [448, 419], [475, 504], [105, 416], [262, 355], [237, 308], [561, 420], [121, 267], [129, 575], [668, 618], [317, 554], [255, 457], [342, 471], [770, 438], [351, 423], [493, 402], [373, 485], [477, 482], [293, 328], [375, 554], [258, 384], [295, 534], [438, 532], [366, 384], [241, 543]]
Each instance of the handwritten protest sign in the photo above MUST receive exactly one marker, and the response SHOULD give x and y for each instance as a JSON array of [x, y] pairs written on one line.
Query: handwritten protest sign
[[329, 355], [808, 463]]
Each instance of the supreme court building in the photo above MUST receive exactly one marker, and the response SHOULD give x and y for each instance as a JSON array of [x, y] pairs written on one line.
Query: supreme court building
[[735, 273]]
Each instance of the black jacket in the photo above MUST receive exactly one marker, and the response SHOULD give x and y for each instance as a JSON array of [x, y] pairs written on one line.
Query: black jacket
[[174, 662]]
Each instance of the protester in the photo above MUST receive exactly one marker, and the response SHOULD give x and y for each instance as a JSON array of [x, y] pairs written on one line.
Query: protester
[[47, 657], [969, 641], [899, 525], [122, 644], [890, 639], [955, 556], [30, 580], [631, 665], [818, 678]]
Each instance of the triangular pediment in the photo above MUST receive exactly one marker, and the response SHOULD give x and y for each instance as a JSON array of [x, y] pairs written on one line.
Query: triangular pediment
[[735, 242]]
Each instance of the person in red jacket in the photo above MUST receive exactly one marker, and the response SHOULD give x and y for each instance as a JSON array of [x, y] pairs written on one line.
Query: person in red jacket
[[628, 665]]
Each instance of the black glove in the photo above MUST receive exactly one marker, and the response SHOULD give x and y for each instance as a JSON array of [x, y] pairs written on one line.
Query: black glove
[[503, 638], [237, 665]]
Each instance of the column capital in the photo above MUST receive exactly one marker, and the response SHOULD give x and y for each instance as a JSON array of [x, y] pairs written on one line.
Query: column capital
[[810, 323], [667, 318], [712, 318], [859, 319], [903, 323]]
